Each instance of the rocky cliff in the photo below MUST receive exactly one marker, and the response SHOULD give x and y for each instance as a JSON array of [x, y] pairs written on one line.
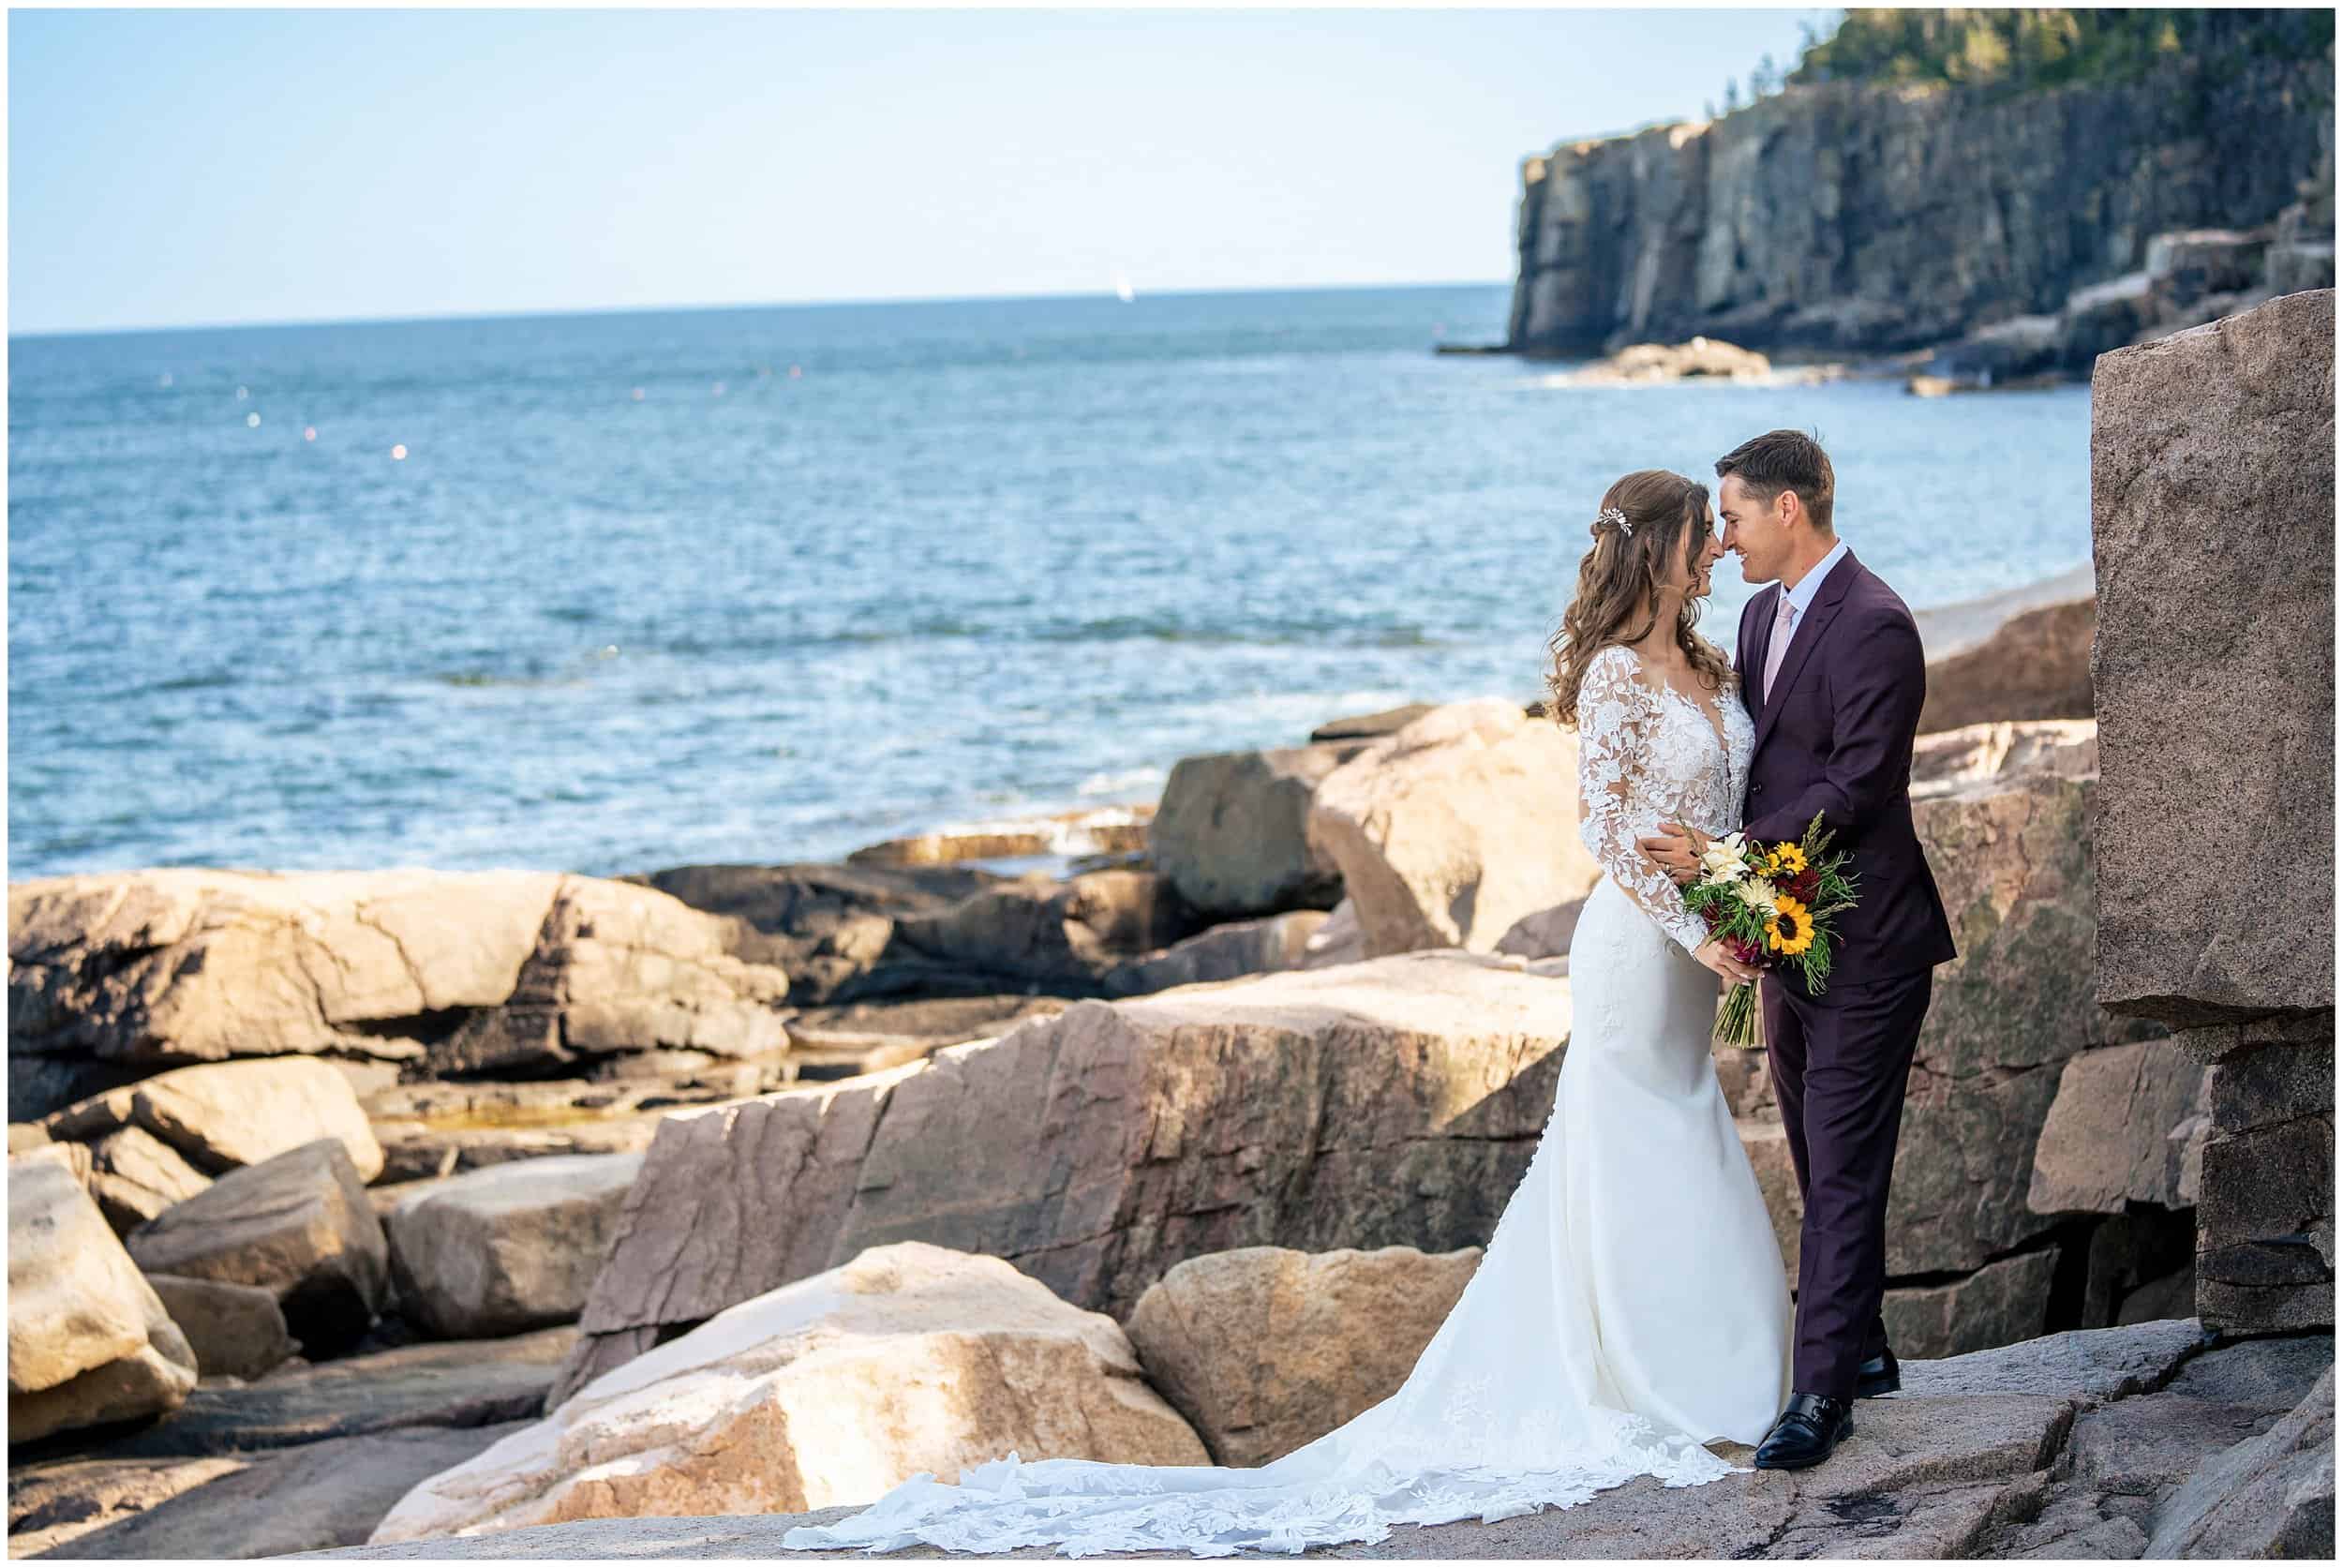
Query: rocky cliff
[[1867, 218]]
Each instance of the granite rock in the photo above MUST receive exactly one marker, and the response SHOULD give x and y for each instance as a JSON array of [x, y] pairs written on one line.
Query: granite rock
[[298, 1225], [89, 1341], [1391, 1102], [2119, 1131], [1231, 831], [832, 1389], [509, 1247], [1450, 830], [236, 1331], [1263, 1349], [2035, 666], [2198, 664]]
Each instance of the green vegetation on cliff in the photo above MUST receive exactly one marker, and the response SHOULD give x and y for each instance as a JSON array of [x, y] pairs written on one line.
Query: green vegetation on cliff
[[2020, 50]]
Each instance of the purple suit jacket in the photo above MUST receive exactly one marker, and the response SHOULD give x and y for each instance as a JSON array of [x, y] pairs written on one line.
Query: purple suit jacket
[[1834, 736]]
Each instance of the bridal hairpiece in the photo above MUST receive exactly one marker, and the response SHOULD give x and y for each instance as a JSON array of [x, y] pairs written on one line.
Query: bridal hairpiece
[[1613, 515]]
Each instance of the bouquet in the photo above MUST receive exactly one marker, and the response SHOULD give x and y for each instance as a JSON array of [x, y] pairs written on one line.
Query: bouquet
[[1770, 905]]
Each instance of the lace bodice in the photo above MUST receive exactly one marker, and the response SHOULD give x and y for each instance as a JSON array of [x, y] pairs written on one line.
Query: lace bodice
[[1647, 754]]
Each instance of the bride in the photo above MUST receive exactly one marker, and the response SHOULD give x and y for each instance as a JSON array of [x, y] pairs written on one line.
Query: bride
[[1632, 1305]]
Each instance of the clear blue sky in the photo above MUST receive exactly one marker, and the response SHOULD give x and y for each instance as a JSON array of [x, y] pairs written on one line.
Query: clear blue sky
[[187, 167]]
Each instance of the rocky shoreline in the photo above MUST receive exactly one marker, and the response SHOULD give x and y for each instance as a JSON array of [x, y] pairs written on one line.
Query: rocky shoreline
[[449, 1146], [390, 1204]]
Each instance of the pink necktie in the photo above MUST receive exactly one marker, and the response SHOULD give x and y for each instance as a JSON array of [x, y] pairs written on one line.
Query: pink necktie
[[1781, 644]]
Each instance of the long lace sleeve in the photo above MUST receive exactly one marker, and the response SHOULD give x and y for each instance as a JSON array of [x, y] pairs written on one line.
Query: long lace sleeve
[[1616, 714]]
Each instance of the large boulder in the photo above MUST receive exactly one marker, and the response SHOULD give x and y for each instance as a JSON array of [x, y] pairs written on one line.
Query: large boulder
[[509, 1248], [2213, 512], [2035, 666], [137, 970], [2122, 1130], [1451, 829], [1391, 1102], [89, 1341], [298, 1225], [236, 1331], [1264, 1349], [220, 1115], [831, 1390], [1231, 832], [614, 969]]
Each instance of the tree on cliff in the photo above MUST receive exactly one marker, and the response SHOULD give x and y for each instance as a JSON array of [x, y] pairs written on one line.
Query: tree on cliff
[[2050, 46]]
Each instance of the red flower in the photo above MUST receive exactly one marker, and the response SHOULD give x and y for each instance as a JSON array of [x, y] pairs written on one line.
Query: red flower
[[1804, 886], [1745, 952]]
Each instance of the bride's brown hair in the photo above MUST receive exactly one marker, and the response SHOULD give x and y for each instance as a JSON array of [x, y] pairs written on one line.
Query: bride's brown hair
[[1619, 583]]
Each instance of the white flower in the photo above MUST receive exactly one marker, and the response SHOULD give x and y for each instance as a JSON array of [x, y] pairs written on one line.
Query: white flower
[[1723, 860], [1757, 893]]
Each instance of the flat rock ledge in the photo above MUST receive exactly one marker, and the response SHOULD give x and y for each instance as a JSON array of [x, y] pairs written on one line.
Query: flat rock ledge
[[1977, 1457]]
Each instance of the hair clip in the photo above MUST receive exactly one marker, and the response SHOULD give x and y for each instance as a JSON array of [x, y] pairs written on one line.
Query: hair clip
[[1613, 515]]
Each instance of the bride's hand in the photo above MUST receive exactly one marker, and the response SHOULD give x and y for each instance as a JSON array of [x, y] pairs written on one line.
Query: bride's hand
[[1676, 849], [1732, 970]]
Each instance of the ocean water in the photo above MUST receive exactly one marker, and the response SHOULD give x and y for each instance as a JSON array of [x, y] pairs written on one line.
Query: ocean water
[[764, 585]]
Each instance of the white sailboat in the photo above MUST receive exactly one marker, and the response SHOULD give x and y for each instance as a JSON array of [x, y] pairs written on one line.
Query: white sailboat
[[1123, 290]]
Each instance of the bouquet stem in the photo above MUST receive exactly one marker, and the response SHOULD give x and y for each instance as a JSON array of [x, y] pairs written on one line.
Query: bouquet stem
[[1740, 1023]]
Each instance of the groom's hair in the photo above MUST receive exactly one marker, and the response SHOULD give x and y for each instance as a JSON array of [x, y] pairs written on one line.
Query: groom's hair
[[1782, 460]]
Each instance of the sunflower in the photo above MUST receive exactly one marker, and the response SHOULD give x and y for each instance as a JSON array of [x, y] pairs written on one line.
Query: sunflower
[[1790, 929], [1786, 858]]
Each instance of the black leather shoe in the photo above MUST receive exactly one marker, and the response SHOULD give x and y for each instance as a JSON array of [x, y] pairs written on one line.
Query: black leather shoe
[[1879, 1375], [1809, 1429]]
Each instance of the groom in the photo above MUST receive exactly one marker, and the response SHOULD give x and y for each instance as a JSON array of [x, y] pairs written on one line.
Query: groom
[[1833, 678]]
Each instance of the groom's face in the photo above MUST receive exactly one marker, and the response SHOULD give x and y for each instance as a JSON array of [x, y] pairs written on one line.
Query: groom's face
[[1752, 531]]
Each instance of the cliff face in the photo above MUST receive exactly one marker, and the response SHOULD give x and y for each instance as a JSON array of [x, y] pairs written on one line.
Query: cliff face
[[1870, 217]]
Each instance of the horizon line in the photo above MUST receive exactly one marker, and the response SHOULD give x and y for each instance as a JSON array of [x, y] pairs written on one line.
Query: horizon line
[[283, 323]]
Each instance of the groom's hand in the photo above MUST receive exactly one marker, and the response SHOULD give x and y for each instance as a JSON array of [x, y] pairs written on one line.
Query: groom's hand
[[1676, 849]]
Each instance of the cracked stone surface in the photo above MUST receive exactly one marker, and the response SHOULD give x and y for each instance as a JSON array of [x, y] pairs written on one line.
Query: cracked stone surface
[[126, 973], [1393, 1102]]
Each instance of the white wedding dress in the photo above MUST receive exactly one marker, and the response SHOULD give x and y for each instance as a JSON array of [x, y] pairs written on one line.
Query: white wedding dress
[[1631, 1304]]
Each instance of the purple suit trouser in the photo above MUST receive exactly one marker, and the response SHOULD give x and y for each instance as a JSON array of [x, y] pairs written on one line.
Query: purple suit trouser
[[1839, 1068]]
